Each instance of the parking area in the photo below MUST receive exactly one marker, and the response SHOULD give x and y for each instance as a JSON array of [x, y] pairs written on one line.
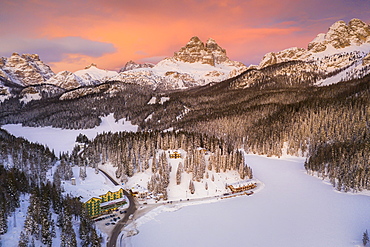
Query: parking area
[[111, 219]]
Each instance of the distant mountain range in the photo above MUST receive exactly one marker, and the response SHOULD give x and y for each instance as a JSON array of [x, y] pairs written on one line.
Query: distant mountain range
[[341, 54]]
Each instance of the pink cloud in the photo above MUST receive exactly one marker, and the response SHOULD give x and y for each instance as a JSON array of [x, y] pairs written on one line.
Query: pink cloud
[[247, 29]]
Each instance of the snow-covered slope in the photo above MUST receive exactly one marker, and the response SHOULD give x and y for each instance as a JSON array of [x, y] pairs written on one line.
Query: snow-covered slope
[[91, 75], [194, 64], [340, 54]]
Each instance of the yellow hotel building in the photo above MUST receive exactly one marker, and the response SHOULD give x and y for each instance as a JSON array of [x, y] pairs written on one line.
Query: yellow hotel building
[[105, 203]]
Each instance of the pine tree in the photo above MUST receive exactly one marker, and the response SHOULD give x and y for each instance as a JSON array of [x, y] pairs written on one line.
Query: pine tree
[[3, 222], [191, 187], [178, 174], [23, 240], [365, 238]]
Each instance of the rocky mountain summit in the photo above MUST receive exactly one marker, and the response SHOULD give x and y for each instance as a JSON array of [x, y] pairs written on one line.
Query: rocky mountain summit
[[340, 38], [195, 64], [341, 54], [25, 70], [196, 51], [341, 35]]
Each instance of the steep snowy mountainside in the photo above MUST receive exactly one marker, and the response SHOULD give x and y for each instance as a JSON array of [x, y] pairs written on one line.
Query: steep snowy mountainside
[[338, 55], [25, 70], [195, 64], [91, 75]]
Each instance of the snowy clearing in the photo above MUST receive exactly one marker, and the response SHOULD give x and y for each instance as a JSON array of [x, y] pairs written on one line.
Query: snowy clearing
[[63, 140]]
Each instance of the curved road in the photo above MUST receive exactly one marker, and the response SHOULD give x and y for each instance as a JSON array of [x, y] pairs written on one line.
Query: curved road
[[120, 224]]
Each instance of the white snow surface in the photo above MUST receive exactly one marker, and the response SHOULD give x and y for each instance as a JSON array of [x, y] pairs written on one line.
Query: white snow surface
[[93, 186], [29, 97], [330, 50], [63, 140], [95, 74], [293, 209]]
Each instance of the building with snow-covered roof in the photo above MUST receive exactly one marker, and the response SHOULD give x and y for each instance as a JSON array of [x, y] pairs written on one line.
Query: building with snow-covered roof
[[105, 203], [140, 192], [240, 187]]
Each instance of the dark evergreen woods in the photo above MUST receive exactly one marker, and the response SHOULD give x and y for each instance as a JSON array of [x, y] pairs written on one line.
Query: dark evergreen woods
[[23, 167], [135, 152]]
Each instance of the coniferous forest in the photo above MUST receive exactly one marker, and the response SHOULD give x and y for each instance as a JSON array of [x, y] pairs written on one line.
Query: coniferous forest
[[301, 119], [23, 171]]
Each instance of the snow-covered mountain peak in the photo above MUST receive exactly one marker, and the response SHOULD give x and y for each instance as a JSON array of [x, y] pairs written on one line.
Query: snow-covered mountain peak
[[26, 69], [93, 75], [341, 54], [341, 35], [341, 38], [194, 64], [194, 51]]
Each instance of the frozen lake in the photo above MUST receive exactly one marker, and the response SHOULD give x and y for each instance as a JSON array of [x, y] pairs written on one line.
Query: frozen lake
[[292, 210]]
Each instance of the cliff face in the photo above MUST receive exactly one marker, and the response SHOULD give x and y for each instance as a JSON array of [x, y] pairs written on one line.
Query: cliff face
[[25, 70]]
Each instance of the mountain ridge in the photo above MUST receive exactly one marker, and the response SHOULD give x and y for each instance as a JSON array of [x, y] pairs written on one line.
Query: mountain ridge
[[343, 53]]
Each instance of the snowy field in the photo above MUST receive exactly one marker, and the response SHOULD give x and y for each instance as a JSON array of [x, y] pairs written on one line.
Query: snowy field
[[63, 141], [292, 210]]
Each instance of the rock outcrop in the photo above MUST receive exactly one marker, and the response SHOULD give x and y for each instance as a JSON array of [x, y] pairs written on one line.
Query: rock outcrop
[[341, 35], [131, 65], [25, 70]]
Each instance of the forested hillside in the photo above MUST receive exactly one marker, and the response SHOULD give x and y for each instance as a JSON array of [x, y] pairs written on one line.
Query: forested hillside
[[23, 168], [266, 119], [136, 152]]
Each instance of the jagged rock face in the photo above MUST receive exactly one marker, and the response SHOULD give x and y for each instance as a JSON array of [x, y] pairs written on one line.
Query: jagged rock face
[[283, 56], [196, 51], [366, 60], [130, 65], [341, 35], [25, 70]]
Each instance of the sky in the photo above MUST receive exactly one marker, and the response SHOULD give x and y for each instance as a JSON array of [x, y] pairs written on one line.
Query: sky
[[69, 35]]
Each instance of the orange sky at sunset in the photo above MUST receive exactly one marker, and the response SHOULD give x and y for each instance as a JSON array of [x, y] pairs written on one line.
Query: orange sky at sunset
[[68, 35]]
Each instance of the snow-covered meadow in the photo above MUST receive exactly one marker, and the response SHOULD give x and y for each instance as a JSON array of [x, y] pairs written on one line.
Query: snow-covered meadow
[[292, 209], [63, 140]]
